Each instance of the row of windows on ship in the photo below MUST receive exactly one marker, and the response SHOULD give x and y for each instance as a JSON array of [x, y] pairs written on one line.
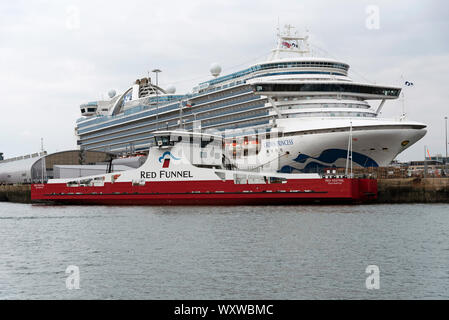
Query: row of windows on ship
[[290, 64], [331, 114], [241, 107], [324, 105], [241, 99]]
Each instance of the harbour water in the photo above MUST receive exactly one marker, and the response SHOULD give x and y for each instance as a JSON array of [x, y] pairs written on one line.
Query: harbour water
[[288, 252]]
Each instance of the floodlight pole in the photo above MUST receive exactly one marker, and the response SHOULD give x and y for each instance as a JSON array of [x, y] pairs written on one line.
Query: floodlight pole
[[156, 71], [445, 159]]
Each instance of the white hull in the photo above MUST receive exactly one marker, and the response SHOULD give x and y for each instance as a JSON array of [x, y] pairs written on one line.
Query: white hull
[[375, 143]]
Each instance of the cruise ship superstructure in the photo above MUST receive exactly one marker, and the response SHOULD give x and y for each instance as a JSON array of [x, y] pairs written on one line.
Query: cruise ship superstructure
[[294, 112]]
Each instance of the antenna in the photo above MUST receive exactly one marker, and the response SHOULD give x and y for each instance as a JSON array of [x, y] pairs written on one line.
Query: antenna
[[404, 114], [425, 163], [42, 161], [349, 152], [350, 136]]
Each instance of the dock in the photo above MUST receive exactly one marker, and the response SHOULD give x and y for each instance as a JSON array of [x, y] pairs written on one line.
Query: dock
[[20, 193], [413, 190], [391, 190]]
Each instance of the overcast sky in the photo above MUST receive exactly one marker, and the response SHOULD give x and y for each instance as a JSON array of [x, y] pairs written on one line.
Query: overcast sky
[[55, 55]]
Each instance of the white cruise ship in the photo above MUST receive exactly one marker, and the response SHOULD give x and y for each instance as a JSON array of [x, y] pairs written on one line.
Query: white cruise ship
[[294, 112]]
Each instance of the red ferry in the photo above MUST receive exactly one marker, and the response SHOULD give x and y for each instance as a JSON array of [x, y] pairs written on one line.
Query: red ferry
[[186, 168]]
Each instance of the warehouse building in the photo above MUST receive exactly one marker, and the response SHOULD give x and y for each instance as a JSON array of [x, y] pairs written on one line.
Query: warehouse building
[[40, 166]]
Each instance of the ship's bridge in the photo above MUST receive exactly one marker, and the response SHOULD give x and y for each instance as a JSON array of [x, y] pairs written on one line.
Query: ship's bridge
[[170, 138], [363, 91], [200, 149], [89, 109]]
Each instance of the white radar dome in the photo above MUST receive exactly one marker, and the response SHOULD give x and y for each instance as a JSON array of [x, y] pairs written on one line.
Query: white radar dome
[[215, 69], [171, 89], [111, 93]]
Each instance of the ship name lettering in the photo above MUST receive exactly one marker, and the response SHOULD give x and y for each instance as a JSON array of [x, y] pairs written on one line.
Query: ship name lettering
[[147, 174], [279, 143], [175, 174], [165, 174]]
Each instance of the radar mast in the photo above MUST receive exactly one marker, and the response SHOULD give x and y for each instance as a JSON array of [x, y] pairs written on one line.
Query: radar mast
[[290, 43]]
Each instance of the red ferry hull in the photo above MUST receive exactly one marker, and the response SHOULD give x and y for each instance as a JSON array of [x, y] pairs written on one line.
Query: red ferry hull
[[294, 191]]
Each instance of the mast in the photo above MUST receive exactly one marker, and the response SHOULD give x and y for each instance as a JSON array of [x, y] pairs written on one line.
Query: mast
[[350, 136], [42, 161], [290, 43], [349, 153]]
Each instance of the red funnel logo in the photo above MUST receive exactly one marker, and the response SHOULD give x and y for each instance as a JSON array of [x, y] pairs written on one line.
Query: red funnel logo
[[166, 161]]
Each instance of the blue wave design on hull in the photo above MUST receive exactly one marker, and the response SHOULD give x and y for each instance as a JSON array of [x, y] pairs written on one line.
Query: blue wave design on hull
[[329, 156]]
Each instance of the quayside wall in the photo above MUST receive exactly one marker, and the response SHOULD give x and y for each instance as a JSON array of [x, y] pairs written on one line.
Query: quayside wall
[[399, 190], [413, 190], [16, 193]]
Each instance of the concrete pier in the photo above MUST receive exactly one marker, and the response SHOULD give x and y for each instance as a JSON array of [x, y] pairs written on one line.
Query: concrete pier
[[399, 190]]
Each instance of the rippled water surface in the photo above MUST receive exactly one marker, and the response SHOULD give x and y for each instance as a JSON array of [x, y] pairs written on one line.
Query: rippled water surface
[[288, 252]]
